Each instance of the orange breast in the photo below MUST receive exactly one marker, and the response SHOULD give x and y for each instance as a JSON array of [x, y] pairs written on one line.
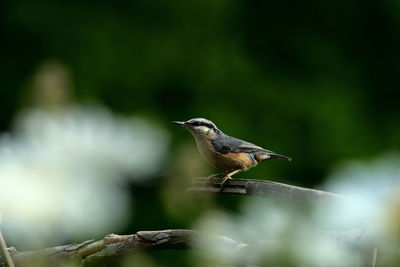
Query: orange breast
[[228, 161], [234, 161]]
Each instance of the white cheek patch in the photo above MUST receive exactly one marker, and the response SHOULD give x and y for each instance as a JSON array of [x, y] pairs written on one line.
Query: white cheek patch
[[202, 129]]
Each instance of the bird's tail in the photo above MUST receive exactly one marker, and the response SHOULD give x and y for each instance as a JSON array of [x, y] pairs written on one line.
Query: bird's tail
[[274, 155], [270, 155]]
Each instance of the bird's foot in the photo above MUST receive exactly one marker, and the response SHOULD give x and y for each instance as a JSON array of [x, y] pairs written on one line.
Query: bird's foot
[[210, 179], [226, 178], [217, 175]]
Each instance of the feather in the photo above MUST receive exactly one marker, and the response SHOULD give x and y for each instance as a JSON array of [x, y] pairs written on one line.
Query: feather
[[227, 144]]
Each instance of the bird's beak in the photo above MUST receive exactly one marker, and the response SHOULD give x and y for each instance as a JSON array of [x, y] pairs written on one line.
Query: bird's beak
[[181, 123]]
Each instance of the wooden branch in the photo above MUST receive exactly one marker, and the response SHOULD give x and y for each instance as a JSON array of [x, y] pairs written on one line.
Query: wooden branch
[[114, 245], [265, 189], [90, 252]]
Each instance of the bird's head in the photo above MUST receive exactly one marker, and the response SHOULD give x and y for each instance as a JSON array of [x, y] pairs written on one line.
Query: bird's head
[[200, 128]]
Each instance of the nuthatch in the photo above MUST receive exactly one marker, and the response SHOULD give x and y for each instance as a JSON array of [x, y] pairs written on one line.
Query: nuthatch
[[223, 151]]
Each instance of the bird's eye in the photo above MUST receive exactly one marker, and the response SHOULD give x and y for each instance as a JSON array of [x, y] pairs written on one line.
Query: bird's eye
[[196, 123]]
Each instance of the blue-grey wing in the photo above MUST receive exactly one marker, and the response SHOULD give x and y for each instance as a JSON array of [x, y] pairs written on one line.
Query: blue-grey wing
[[227, 144]]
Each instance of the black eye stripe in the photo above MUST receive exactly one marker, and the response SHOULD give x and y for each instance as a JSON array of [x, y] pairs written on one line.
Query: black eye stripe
[[197, 123]]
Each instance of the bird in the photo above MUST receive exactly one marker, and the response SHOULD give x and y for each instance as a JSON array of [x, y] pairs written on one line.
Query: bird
[[225, 152]]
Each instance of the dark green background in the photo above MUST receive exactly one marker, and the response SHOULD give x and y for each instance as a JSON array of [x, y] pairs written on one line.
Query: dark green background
[[314, 80]]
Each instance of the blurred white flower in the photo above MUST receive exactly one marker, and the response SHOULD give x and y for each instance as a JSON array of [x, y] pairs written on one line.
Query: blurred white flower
[[61, 172], [374, 187], [368, 183], [277, 234], [288, 234]]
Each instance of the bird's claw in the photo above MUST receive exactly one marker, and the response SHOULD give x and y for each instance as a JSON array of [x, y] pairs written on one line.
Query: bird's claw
[[226, 178]]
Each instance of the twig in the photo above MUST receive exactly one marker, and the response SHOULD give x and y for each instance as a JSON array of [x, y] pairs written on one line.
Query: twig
[[4, 249], [265, 189], [368, 258]]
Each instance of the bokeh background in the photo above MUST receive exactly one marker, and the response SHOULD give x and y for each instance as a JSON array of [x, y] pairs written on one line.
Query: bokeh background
[[317, 81]]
